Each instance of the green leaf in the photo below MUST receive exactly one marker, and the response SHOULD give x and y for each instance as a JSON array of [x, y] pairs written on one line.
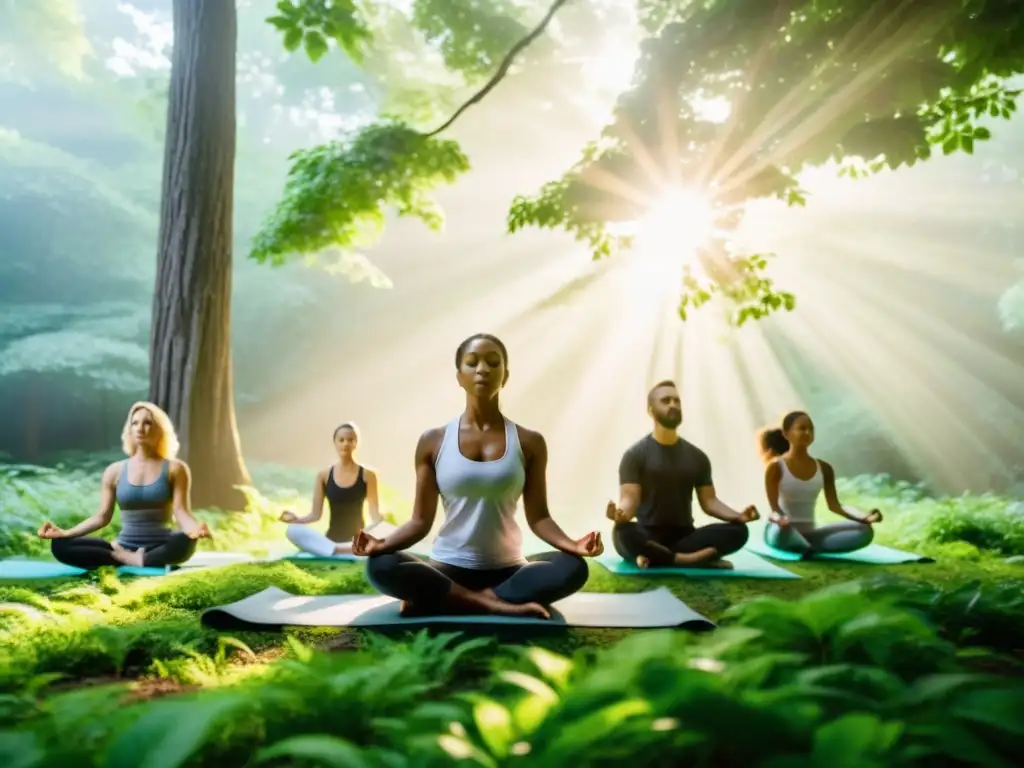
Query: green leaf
[[283, 23], [853, 739], [20, 749], [494, 722], [967, 144], [324, 750], [169, 733], [292, 39], [951, 144], [289, 9], [316, 45], [555, 669], [981, 133]]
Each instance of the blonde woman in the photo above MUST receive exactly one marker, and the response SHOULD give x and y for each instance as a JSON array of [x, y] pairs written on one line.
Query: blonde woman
[[151, 488], [348, 487]]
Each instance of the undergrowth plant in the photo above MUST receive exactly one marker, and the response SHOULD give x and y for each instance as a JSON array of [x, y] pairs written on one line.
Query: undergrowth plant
[[836, 679], [964, 527]]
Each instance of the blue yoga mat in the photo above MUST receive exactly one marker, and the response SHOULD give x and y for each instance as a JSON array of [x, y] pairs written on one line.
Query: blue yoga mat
[[872, 554], [746, 565], [18, 568]]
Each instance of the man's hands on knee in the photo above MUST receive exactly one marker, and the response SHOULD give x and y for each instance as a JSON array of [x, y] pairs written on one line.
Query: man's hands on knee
[[748, 515], [617, 515]]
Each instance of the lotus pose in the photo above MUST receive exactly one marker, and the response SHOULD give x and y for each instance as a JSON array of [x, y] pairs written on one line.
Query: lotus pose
[[793, 481], [657, 479], [152, 490], [480, 464], [348, 487]]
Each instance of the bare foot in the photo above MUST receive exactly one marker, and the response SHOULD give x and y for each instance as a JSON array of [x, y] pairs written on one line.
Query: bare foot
[[695, 559], [527, 610], [642, 562], [127, 556]]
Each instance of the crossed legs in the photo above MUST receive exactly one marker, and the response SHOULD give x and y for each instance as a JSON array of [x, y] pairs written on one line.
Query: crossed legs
[[520, 590], [91, 552], [702, 547]]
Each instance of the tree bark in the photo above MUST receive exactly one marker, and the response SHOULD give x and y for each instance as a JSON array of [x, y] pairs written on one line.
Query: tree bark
[[190, 343]]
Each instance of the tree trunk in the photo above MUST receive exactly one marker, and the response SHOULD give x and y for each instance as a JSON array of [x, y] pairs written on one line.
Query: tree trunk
[[190, 343]]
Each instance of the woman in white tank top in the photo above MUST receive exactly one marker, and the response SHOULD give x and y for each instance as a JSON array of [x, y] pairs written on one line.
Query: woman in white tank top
[[793, 481], [479, 465]]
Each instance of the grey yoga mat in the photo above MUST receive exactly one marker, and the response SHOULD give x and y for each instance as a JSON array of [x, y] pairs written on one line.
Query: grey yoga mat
[[274, 607]]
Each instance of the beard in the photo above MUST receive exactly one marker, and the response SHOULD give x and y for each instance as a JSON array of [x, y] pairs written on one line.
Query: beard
[[669, 420]]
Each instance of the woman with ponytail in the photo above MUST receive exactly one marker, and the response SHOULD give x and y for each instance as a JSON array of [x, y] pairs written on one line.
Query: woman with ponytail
[[793, 481]]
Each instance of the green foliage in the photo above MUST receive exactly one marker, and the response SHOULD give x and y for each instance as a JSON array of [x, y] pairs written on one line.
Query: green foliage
[[963, 525], [336, 194], [828, 680], [894, 82], [473, 35], [311, 23]]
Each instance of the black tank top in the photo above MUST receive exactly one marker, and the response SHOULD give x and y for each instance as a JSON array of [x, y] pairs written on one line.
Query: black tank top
[[346, 506]]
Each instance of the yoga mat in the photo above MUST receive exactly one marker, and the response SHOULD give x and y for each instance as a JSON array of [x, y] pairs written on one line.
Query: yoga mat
[[309, 557], [746, 565], [531, 546], [23, 568], [215, 559], [872, 554], [274, 607]]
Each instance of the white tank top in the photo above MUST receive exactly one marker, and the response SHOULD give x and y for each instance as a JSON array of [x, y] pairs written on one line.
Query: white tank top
[[480, 500], [797, 498]]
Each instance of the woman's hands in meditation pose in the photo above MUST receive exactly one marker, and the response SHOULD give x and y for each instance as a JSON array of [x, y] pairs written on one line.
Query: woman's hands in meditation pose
[[50, 531]]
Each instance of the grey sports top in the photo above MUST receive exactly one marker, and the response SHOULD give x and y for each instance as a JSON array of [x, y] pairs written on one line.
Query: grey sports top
[[146, 510]]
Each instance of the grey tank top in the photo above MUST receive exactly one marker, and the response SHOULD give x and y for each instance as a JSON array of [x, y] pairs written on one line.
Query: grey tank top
[[146, 510], [480, 500]]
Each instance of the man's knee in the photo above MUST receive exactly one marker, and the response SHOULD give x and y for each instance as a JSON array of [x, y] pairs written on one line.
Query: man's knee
[[735, 536]]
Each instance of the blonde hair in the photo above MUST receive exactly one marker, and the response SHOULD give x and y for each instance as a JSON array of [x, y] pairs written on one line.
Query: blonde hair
[[168, 446]]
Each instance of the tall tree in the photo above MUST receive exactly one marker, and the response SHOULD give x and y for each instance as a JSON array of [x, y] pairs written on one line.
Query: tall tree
[[190, 342]]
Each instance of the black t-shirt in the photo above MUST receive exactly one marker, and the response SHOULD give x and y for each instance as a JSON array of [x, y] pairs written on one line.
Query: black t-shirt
[[667, 476]]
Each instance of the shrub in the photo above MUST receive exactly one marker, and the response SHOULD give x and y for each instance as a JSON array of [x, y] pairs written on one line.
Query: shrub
[[838, 678]]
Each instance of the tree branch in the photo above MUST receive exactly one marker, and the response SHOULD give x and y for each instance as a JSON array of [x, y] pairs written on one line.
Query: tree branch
[[503, 68]]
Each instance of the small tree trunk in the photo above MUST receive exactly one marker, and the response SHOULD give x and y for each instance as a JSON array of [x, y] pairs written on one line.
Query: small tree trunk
[[190, 342]]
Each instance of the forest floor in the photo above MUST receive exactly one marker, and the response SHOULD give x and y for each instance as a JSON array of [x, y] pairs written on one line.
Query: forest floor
[[123, 640]]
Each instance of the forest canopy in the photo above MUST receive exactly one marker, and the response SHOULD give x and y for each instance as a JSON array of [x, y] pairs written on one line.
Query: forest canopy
[[859, 84]]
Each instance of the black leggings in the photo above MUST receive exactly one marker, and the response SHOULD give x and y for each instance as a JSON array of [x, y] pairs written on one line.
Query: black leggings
[[546, 579], [659, 545], [93, 552]]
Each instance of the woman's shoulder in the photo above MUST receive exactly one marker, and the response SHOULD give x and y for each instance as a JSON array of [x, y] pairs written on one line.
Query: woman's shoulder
[[177, 468], [529, 439], [113, 471]]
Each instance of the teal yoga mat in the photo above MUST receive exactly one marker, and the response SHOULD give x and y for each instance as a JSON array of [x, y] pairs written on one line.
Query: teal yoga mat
[[18, 568], [746, 565], [27, 568], [873, 554], [273, 608]]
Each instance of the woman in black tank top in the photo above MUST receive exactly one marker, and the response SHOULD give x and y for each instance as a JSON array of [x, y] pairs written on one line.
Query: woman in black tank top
[[347, 487]]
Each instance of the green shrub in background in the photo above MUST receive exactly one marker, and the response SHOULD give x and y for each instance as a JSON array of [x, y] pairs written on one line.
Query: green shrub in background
[[962, 526], [840, 678]]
